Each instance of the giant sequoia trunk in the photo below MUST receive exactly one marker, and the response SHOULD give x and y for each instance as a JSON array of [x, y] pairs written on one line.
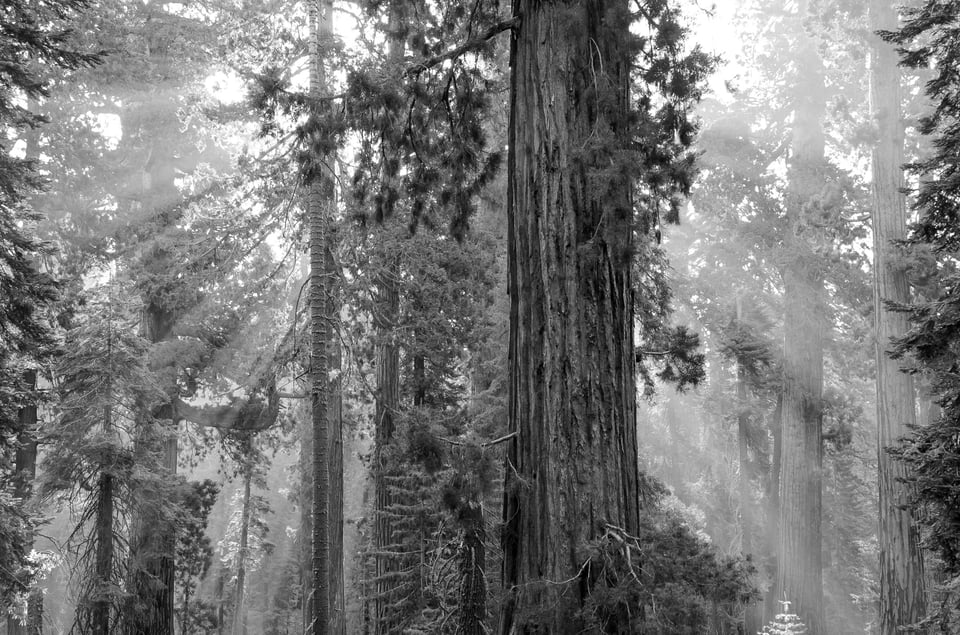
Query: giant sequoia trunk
[[901, 564], [572, 468], [800, 566]]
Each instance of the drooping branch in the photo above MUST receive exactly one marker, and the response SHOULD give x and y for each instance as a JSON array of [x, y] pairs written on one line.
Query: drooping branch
[[470, 45], [249, 415]]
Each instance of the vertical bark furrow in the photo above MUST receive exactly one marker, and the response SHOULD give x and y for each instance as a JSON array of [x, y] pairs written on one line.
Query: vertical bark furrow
[[573, 468]]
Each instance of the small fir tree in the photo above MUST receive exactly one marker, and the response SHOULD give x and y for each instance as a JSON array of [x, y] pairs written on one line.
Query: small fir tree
[[785, 623]]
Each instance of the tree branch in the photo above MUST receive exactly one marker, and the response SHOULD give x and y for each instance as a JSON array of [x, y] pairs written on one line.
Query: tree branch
[[248, 416], [469, 45]]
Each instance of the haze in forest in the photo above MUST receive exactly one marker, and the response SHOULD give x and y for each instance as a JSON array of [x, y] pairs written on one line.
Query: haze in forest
[[390, 316]]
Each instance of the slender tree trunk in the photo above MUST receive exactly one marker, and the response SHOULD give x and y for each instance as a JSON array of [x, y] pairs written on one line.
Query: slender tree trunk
[[572, 468], [305, 538], [388, 401], [103, 565], [901, 561], [221, 613], [770, 601], [239, 608], [320, 210], [800, 564], [388, 364], [338, 621], [419, 381], [185, 608], [25, 460], [752, 612], [25, 465]]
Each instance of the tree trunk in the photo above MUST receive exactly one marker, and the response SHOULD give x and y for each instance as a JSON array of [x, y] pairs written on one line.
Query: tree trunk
[[419, 381], [901, 561], [320, 210], [239, 612], [800, 565], [25, 465], [388, 364], [572, 468], [185, 609], [388, 401], [472, 562], [752, 612], [771, 604], [306, 522], [103, 565], [335, 425]]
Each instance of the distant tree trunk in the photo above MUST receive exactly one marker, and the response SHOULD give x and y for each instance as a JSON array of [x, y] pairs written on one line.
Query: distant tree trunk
[[25, 466], [386, 319], [320, 211], [419, 381], [306, 523], [901, 560], [338, 623], [388, 402], [752, 613], [239, 609], [221, 602], [185, 610], [800, 565], [103, 564], [572, 468], [771, 600]]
